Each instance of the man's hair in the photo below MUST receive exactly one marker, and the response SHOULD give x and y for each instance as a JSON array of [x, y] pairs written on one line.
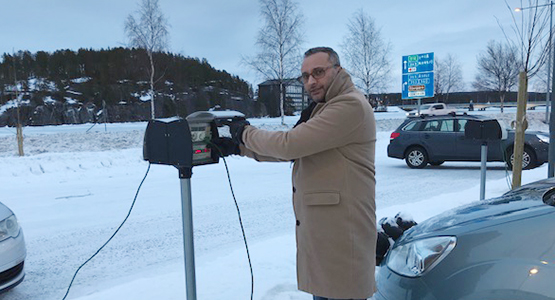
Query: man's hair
[[333, 57]]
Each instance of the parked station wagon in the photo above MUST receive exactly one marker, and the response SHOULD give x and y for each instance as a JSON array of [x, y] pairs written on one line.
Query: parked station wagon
[[434, 140]]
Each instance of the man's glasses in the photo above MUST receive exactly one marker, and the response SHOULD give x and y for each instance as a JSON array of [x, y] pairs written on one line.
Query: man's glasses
[[317, 73]]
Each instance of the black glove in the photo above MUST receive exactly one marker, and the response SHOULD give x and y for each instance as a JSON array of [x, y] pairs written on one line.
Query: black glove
[[224, 146], [236, 128]]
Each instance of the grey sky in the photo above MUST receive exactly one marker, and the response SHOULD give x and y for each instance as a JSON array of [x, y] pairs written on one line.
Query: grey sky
[[222, 31]]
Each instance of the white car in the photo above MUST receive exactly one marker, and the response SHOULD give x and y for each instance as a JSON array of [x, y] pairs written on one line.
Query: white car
[[12, 250], [433, 109]]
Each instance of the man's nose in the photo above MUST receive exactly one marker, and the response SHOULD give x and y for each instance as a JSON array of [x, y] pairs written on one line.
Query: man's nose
[[311, 80]]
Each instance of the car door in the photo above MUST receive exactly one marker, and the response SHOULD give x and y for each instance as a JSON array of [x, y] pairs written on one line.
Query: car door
[[470, 149], [439, 139]]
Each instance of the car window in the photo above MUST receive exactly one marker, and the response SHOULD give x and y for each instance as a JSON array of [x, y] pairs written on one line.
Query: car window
[[412, 126], [438, 106], [447, 125], [462, 124], [433, 125]]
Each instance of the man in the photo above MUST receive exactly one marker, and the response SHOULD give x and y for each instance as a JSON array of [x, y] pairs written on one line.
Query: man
[[333, 180]]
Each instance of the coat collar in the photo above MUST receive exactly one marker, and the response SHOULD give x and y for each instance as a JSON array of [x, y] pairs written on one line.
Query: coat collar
[[340, 85]]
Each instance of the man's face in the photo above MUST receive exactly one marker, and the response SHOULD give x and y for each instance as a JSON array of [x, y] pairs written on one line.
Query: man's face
[[313, 65]]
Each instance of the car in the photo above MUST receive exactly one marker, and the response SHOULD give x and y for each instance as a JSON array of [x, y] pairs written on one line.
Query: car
[[433, 109], [434, 140], [501, 248], [12, 250]]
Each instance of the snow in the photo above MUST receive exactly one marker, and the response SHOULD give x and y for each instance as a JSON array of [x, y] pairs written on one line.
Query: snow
[[81, 80], [70, 100], [76, 183], [145, 98], [8, 105]]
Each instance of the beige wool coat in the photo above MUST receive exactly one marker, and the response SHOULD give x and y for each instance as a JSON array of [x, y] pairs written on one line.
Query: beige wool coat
[[333, 190]]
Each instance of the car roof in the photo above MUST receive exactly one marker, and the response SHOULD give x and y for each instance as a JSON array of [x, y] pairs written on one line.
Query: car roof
[[443, 117], [458, 116]]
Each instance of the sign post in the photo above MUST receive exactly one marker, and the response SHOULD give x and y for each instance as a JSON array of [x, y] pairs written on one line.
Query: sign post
[[418, 76]]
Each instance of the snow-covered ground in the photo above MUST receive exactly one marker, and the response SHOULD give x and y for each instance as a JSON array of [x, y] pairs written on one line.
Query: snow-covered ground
[[73, 188]]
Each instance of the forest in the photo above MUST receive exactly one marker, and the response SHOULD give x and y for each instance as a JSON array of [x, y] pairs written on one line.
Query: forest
[[112, 85]]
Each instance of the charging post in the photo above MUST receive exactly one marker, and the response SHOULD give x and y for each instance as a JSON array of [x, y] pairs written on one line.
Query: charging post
[[184, 144], [483, 130]]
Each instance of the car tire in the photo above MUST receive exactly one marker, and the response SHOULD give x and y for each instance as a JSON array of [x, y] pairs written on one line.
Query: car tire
[[436, 163], [416, 158], [528, 159]]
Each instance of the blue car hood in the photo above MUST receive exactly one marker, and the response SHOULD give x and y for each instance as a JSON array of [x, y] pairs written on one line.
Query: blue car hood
[[514, 205]]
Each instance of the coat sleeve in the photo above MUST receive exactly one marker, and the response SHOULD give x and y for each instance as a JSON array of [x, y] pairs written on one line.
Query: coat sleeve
[[335, 125], [261, 158]]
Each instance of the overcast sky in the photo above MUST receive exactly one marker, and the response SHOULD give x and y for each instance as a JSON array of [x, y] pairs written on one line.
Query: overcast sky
[[223, 31]]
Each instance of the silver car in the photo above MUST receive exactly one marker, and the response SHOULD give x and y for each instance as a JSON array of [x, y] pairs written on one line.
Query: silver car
[[502, 248], [12, 250]]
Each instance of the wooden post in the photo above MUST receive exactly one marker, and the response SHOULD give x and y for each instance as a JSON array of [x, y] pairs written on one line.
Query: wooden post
[[521, 125], [20, 140], [19, 131]]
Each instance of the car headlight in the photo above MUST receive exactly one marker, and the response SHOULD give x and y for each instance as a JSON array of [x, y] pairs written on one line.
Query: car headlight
[[415, 258], [543, 138], [9, 228]]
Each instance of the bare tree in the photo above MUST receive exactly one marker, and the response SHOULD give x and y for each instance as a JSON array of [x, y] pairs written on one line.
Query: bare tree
[[279, 42], [367, 54], [447, 77], [498, 69], [149, 32], [532, 40]]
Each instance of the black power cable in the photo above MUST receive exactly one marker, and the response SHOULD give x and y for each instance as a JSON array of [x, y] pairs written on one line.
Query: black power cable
[[133, 204], [239, 214], [114, 234]]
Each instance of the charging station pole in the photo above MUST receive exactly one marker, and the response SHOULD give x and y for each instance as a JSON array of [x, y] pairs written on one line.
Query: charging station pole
[[483, 168], [188, 244], [173, 142]]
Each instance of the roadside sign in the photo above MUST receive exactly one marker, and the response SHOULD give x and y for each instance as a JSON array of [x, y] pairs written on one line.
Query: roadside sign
[[418, 63], [418, 76], [420, 85]]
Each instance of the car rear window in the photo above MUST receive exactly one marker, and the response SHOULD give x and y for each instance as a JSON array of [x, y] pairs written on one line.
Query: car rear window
[[412, 126]]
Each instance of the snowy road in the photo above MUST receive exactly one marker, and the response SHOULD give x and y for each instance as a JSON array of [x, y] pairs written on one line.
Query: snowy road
[[69, 203]]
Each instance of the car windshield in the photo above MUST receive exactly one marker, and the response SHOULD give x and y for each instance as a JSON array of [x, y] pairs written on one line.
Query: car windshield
[[425, 106]]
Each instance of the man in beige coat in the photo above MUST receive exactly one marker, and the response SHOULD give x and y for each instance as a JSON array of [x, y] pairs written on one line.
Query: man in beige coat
[[333, 180]]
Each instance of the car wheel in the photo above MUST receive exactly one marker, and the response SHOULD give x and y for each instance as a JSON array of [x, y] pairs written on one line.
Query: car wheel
[[436, 163], [416, 158], [528, 159]]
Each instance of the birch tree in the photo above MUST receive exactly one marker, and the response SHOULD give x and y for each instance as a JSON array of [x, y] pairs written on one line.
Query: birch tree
[[367, 54], [149, 31], [279, 43]]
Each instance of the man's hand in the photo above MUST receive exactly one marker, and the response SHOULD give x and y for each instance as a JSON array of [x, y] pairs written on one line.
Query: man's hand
[[236, 128], [224, 146]]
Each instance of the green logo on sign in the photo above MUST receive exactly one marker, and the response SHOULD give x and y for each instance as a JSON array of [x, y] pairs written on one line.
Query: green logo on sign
[[413, 57]]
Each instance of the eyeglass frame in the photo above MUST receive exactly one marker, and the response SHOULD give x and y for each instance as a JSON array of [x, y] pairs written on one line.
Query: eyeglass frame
[[318, 69]]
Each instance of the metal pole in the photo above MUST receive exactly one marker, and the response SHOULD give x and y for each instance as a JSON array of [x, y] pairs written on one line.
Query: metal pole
[[548, 94], [484, 157], [419, 102], [188, 245], [551, 153]]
